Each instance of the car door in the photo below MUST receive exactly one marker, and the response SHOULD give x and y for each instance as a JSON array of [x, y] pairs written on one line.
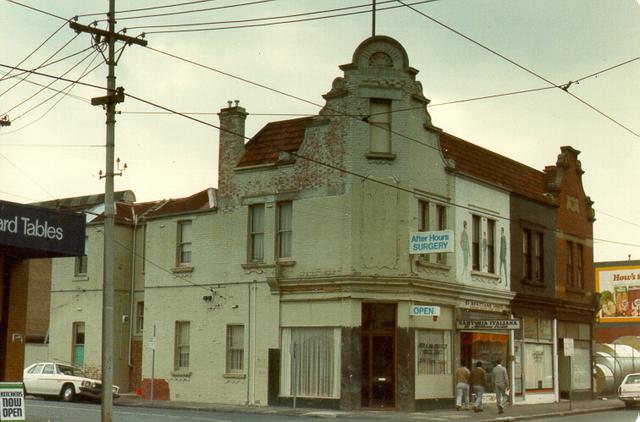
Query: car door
[[48, 380], [31, 377]]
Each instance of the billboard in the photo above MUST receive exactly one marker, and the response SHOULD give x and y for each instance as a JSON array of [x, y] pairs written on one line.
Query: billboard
[[619, 288], [40, 232]]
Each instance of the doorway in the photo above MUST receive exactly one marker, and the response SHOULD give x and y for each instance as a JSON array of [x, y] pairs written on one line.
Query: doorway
[[379, 355]]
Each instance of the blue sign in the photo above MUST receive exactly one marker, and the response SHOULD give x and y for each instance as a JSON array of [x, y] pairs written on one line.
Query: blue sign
[[431, 242], [424, 310]]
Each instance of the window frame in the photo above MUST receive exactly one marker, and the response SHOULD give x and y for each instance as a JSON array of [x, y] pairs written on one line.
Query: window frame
[[538, 257], [182, 347], [140, 316], [491, 246], [527, 246], [380, 122], [579, 267], [445, 353], [183, 245], [235, 346], [81, 263], [569, 264], [255, 235], [476, 221], [284, 236], [75, 343]]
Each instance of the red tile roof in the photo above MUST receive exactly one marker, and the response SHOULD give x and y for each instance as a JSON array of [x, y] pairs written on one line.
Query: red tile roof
[[266, 146], [475, 161]]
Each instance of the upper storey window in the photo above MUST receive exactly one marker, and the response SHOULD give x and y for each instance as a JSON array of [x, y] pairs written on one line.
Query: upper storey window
[[380, 126]]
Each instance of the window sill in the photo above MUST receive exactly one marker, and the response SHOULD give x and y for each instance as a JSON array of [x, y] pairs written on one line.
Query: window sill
[[285, 262], [185, 269], [533, 283], [381, 156], [434, 265], [253, 265], [81, 277], [575, 290], [181, 374], [486, 275], [230, 375]]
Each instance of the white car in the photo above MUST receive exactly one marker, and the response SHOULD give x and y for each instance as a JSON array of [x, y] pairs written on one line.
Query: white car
[[629, 390], [63, 381]]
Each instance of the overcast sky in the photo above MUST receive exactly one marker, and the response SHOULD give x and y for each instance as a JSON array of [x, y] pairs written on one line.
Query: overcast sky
[[54, 149]]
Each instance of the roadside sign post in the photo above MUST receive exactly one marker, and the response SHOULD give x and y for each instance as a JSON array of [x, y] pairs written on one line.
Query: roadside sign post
[[12, 402]]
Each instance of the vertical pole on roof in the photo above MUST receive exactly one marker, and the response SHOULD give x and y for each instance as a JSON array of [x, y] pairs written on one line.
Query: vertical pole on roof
[[373, 19]]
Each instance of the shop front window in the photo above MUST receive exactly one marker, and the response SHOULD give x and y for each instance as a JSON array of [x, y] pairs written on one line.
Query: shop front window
[[433, 352], [486, 348], [536, 352]]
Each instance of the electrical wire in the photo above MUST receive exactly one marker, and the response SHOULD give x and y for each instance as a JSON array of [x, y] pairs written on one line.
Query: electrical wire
[[531, 72], [120, 18], [148, 8], [257, 25], [26, 175], [324, 164], [41, 65], [76, 97], [35, 51], [49, 85], [37, 10]]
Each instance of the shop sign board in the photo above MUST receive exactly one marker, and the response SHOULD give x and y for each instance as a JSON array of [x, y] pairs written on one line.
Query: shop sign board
[[488, 324], [12, 402], [431, 242], [567, 346], [424, 310], [477, 305], [619, 289], [41, 230]]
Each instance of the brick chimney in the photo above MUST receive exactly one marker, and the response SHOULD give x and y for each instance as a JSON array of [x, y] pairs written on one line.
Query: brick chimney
[[231, 148]]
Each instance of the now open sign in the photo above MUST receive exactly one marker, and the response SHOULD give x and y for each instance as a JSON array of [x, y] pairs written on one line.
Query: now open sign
[[12, 402]]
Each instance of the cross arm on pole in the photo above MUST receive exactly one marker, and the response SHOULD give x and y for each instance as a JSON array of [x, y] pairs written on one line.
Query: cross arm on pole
[[106, 34]]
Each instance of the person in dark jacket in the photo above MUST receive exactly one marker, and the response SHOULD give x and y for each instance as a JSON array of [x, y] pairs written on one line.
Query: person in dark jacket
[[478, 382]]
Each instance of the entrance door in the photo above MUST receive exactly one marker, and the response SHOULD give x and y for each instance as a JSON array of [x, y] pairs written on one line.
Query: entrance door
[[379, 355]]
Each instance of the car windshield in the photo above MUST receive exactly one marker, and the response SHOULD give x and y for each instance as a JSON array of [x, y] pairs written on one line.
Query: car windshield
[[633, 379], [71, 371]]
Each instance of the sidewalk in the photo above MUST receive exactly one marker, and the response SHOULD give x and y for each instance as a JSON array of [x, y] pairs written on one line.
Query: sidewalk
[[520, 412]]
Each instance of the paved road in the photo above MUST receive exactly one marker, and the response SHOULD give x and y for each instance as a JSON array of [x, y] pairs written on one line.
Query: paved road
[[53, 411], [618, 415]]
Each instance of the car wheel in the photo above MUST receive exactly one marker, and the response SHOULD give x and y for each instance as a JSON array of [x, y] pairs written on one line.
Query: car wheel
[[68, 393]]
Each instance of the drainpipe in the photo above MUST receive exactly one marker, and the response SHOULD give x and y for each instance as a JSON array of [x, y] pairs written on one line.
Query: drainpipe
[[133, 282], [248, 342]]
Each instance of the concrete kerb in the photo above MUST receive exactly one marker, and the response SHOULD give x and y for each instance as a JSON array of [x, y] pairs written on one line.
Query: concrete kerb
[[337, 414]]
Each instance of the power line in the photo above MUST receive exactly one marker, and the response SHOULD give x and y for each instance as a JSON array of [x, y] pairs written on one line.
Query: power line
[[41, 65], [148, 8], [77, 97], [208, 9], [36, 49], [51, 83], [565, 88], [271, 18], [38, 10], [26, 175], [321, 163]]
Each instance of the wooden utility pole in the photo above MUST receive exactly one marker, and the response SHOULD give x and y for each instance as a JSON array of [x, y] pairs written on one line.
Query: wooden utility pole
[[109, 101]]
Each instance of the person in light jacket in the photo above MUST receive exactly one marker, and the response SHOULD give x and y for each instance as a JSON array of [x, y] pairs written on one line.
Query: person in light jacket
[[501, 384], [462, 386], [478, 382]]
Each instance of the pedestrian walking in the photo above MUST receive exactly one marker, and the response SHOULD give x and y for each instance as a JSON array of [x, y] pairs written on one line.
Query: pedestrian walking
[[478, 382], [462, 387], [501, 384]]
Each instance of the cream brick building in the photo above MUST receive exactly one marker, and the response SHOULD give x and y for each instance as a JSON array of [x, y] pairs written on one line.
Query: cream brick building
[[293, 282]]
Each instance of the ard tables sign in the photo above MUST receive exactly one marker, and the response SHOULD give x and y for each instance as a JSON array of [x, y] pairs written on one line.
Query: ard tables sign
[[488, 324]]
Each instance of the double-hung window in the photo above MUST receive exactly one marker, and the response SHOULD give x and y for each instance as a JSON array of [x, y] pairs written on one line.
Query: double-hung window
[[569, 263], [380, 126], [538, 251], [181, 352], [139, 317], [235, 349], [256, 232], [184, 243], [491, 246], [526, 254], [78, 344], [82, 262], [285, 229], [475, 242]]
